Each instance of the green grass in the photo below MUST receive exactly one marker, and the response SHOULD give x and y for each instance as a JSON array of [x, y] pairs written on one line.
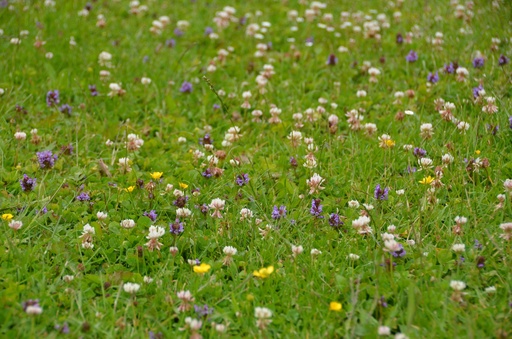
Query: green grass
[[414, 297]]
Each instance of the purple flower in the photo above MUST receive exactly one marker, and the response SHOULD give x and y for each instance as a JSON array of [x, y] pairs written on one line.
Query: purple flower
[[381, 194], [67, 149], [412, 56], [207, 173], [27, 183], [64, 329], [335, 221], [170, 43], [419, 152], [158, 335], [332, 60], [382, 302], [83, 197], [66, 109], [208, 30], [151, 215], [478, 62], [293, 162], [316, 208], [44, 210], [181, 201], [178, 32], [242, 179], [510, 122], [433, 78], [46, 159], [480, 262], [203, 311], [399, 39], [204, 208], [478, 245], [216, 107], [503, 60], [52, 98], [176, 227], [476, 91], [186, 87], [400, 253], [410, 170], [206, 140], [450, 68], [278, 213], [93, 90]]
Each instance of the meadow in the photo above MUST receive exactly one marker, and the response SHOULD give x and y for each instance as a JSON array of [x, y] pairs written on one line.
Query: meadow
[[255, 169]]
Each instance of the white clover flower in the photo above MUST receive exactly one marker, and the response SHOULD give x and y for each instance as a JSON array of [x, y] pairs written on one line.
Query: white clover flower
[[245, 213], [296, 250], [457, 285], [384, 330], [183, 212], [459, 248], [88, 229], [20, 136], [145, 81], [229, 250], [101, 215], [315, 252], [155, 232], [353, 256], [353, 204], [127, 223], [131, 288], [194, 324], [15, 224]]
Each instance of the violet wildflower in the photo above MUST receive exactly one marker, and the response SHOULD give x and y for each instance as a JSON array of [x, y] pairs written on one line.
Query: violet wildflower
[[242, 179], [335, 221], [400, 253], [83, 197], [93, 90], [52, 98], [203, 311], [207, 173], [216, 107], [64, 328], [480, 262], [419, 152], [476, 91], [158, 335], [510, 122], [204, 208], [332, 60], [503, 60], [206, 140], [186, 87], [176, 227], [170, 43], [478, 245], [450, 68], [410, 170], [412, 56], [208, 31], [433, 78], [66, 109], [381, 194], [151, 215], [293, 162], [382, 302], [181, 201], [46, 159], [278, 213], [27, 183], [44, 210], [399, 39], [316, 208], [67, 149], [478, 62], [178, 32]]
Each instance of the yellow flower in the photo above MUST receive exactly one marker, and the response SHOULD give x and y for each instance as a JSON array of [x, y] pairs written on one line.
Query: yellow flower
[[7, 216], [183, 186], [202, 269], [427, 180], [477, 152], [156, 175], [335, 306], [130, 189], [390, 143], [264, 272]]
